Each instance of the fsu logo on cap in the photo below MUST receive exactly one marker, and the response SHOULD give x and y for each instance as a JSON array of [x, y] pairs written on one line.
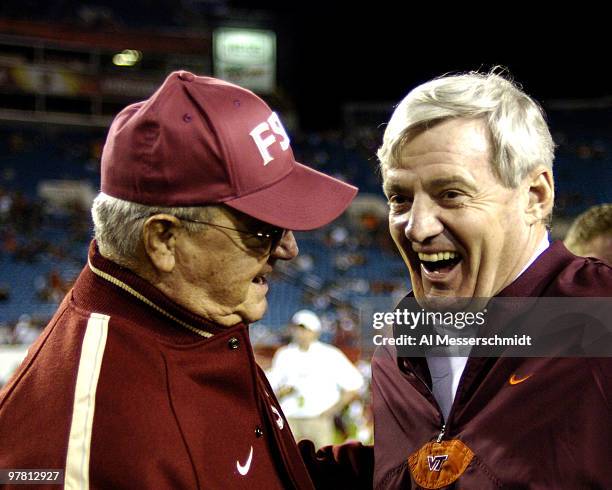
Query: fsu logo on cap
[[273, 127]]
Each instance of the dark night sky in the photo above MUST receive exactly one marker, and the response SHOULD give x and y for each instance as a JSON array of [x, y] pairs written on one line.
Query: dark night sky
[[365, 54], [333, 52]]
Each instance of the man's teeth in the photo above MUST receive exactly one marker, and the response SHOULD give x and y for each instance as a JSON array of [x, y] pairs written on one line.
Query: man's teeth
[[437, 256]]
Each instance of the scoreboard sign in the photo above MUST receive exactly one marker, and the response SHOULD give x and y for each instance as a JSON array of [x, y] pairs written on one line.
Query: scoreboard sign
[[246, 57]]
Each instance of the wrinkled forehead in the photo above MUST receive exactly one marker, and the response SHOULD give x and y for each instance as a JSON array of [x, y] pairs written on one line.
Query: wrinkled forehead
[[463, 143], [396, 146]]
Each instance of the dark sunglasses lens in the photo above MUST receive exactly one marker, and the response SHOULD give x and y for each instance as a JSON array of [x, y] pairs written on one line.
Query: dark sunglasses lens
[[276, 236]]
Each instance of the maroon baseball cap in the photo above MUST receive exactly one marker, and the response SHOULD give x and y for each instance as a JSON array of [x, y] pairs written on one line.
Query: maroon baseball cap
[[199, 140]]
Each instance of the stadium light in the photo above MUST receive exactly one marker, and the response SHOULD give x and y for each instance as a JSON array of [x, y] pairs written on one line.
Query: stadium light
[[128, 57]]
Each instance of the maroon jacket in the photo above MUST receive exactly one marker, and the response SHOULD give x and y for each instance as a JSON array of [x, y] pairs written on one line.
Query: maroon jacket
[[121, 393], [553, 430]]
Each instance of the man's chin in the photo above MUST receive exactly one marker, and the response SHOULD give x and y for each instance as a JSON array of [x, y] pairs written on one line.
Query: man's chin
[[254, 312], [447, 299]]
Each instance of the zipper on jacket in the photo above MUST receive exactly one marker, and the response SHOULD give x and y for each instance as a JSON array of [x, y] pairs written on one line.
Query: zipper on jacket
[[434, 399], [458, 392], [441, 434]]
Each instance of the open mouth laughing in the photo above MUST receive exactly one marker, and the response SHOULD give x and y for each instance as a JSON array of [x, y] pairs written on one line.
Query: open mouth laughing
[[439, 263], [440, 270]]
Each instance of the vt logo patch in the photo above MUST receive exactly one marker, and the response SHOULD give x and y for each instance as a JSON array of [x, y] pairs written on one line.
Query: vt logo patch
[[438, 464], [435, 462]]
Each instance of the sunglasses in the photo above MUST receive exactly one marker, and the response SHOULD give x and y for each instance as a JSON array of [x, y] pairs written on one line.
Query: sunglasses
[[264, 240]]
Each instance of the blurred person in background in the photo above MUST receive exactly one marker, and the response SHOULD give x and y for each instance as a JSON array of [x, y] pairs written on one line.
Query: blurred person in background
[[14, 345], [145, 376], [591, 234], [467, 170], [25, 330], [6, 334], [314, 381]]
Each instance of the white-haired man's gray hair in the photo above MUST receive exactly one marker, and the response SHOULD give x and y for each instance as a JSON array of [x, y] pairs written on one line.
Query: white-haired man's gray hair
[[118, 224], [520, 138]]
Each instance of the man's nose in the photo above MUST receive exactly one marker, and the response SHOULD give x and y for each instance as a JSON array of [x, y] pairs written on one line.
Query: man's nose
[[423, 221], [286, 248]]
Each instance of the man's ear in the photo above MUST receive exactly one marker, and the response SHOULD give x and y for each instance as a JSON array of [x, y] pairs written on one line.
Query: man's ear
[[159, 238], [541, 195]]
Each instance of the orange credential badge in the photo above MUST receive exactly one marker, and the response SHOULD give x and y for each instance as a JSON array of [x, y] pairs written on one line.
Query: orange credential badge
[[438, 464]]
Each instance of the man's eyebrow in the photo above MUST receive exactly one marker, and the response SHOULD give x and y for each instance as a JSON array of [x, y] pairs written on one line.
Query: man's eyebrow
[[401, 187], [454, 180], [393, 187]]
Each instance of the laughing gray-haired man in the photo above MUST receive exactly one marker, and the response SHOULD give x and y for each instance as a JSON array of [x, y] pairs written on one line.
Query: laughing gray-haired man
[[466, 162]]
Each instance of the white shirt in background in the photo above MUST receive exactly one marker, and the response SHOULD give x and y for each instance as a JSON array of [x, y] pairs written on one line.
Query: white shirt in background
[[318, 376]]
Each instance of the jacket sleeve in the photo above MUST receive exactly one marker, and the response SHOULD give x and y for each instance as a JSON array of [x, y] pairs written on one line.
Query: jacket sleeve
[[350, 465]]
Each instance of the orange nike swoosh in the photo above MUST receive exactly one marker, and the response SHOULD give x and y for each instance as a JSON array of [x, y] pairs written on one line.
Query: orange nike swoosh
[[514, 380]]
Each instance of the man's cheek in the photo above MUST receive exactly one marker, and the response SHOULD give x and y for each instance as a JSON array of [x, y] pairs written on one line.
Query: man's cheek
[[399, 237]]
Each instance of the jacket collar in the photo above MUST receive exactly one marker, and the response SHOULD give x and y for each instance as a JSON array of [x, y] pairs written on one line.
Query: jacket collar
[[145, 299], [537, 276]]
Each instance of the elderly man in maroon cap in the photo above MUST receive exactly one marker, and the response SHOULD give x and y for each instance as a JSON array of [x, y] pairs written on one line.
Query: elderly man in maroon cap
[[145, 377]]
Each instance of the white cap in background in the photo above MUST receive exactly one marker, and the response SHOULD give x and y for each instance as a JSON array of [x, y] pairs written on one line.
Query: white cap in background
[[307, 319]]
